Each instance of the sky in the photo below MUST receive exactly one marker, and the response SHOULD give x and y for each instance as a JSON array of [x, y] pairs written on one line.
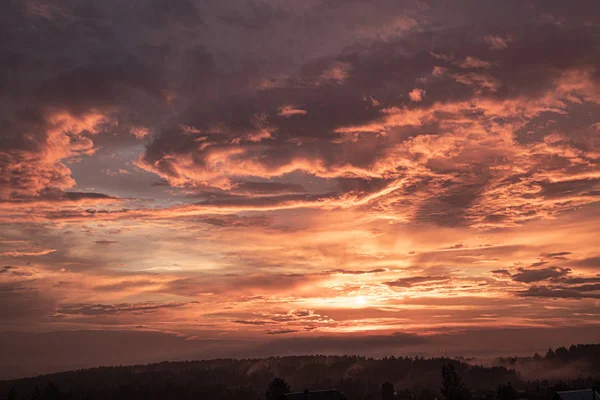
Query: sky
[[192, 179]]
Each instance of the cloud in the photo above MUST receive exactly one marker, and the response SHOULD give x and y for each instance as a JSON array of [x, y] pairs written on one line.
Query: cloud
[[252, 322], [14, 271], [356, 272], [303, 316], [540, 274], [560, 292], [267, 188], [124, 285], [336, 72], [106, 242], [570, 187], [280, 332], [27, 253], [474, 63], [557, 255], [181, 167], [416, 94], [288, 111], [498, 42], [237, 286], [417, 281], [140, 132], [85, 195], [590, 262], [115, 309], [233, 221]]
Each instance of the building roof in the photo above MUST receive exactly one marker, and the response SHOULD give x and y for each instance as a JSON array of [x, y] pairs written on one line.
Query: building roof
[[316, 395], [584, 394]]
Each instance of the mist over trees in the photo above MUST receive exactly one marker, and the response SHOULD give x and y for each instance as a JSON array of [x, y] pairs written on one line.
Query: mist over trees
[[560, 363], [359, 378]]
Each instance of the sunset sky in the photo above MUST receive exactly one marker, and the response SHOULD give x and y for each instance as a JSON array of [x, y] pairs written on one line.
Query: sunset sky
[[183, 179]]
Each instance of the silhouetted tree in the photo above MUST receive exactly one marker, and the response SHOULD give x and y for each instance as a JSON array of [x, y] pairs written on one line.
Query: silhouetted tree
[[426, 394], [276, 389], [404, 394], [561, 385], [12, 394], [453, 388], [36, 395], [387, 391], [506, 392], [51, 392], [358, 377], [550, 353], [562, 353]]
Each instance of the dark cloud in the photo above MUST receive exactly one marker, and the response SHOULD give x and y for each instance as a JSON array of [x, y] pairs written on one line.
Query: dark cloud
[[14, 271], [224, 99], [235, 221], [99, 85], [281, 332], [115, 309], [559, 292], [86, 195], [540, 274], [417, 281], [106, 242], [580, 280], [559, 255], [455, 246], [356, 272], [268, 187], [570, 188], [116, 287], [451, 209], [590, 262], [252, 322]]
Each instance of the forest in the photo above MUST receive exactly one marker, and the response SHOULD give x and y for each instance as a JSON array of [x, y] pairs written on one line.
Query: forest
[[536, 377]]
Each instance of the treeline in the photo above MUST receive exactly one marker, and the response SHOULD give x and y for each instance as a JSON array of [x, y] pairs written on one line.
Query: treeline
[[562, 355], [359, 378], [576, 361]]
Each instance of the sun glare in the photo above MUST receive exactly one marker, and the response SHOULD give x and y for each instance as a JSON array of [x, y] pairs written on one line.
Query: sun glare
[[360, 301]]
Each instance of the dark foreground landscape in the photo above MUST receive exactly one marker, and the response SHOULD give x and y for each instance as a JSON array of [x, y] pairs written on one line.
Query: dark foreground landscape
[[534, 377]]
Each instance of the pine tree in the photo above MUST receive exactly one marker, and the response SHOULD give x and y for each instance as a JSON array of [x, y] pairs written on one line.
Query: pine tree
[[387, 391], [453, 388], [277, 388]]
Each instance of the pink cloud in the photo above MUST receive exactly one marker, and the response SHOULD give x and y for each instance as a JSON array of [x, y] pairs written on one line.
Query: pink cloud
[[289, 110], [498, 42], [416, 94]]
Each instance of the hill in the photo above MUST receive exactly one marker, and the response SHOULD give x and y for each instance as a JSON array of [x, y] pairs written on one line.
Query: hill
[[358, 377]]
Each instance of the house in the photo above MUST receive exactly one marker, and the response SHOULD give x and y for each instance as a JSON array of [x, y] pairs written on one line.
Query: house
[[316, 395], [583, 394]]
